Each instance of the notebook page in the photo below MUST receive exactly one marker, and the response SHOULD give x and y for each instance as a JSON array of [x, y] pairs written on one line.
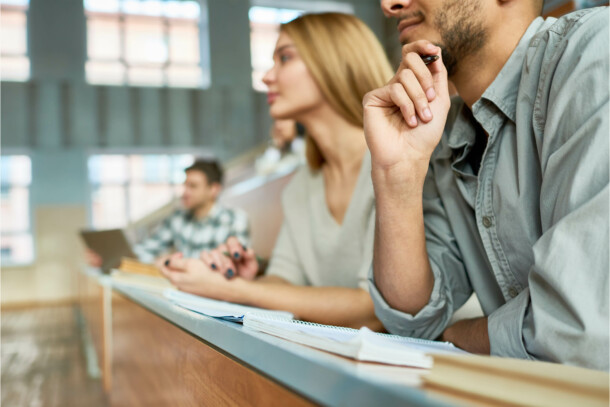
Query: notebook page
[[219, 309], [362, 344], [414, 344]]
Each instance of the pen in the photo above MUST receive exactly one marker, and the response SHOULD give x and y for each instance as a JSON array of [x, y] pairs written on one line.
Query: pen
[[428, 59]]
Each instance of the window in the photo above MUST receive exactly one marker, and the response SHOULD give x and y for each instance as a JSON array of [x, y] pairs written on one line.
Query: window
[[15, 179], [125, 188], [13, 46], [146, 43], [265, 21]]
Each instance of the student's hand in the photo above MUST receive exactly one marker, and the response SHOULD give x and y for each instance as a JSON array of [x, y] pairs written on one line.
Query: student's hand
[[231, 258], [404, 120], [92, 258], [160, 261], [193, 276]]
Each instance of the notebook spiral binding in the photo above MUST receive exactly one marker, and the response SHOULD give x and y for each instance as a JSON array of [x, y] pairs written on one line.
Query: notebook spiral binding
[[396, 338]]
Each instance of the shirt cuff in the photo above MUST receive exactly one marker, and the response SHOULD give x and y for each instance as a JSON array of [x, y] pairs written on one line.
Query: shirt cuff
[[505, 328], [428, 323]]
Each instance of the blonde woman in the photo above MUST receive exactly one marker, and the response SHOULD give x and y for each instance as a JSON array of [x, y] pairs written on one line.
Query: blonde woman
[[324, 64]]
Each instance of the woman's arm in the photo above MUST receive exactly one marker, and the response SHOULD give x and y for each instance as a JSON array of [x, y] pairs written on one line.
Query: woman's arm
[[350, 307]]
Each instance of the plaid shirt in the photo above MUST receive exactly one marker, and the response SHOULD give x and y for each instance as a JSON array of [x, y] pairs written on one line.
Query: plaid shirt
[[183, 233]]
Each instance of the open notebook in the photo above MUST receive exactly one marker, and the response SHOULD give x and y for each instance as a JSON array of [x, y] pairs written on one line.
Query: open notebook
[[220, 309], [362, 344]]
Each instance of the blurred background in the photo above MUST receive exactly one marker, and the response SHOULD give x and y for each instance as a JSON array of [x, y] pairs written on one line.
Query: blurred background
[[103, 104]]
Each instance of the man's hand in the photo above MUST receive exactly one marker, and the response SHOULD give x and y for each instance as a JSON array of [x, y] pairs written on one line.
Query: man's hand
[[231, 258], [404, 120]]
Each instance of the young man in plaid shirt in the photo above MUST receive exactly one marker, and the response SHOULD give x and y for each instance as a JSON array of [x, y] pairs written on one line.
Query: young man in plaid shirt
[[202, 224]]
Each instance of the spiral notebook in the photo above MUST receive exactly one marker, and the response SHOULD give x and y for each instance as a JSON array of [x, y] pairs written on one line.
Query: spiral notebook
[[220, 309], [362, 344]]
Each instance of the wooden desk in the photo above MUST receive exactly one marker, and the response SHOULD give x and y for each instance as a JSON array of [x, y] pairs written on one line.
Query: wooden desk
[[154, 353], [166, 355]]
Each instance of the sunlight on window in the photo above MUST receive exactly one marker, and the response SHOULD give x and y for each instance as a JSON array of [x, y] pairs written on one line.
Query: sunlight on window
[[13, 40], [145, 43], [126, 188], [15, 178]]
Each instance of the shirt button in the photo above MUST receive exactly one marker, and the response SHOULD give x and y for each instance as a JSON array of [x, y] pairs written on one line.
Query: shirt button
[[512, 291], [487, 221]]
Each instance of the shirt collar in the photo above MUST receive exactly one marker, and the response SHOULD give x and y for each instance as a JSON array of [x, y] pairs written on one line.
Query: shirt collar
[[214, 212], [504, 89], [502, 93]]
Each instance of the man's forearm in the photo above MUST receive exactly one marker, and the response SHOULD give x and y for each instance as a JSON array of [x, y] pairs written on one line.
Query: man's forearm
[[471, 335], [401, 266]]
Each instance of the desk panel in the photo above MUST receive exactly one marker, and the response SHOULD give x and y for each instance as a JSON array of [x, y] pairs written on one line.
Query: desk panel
[[157, 363]]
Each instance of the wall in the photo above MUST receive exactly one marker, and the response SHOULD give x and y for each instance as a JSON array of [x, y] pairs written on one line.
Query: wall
[[59, 120]]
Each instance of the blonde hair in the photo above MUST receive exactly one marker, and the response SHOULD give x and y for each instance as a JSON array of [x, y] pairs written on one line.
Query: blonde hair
[[346, 61]]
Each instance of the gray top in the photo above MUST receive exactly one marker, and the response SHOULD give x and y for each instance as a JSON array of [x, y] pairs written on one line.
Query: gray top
[[312, 248], [529, 234], [183, 233], [321, 377]]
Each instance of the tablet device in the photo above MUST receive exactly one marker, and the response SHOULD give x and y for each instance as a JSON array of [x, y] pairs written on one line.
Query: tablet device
[[111, 245]]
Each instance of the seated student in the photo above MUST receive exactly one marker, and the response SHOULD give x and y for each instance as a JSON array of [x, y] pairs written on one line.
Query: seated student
[[286, 149], [324, 64], [202, 224], [504, 190]]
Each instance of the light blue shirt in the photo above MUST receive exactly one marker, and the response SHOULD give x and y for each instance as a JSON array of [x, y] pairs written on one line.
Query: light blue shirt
[[529, 233]]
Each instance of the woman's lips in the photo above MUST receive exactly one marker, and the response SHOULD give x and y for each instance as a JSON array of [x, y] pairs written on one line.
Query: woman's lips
[[271, 97]]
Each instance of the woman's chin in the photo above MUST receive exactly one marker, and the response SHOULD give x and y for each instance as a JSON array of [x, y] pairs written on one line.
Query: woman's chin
[[277, 113]]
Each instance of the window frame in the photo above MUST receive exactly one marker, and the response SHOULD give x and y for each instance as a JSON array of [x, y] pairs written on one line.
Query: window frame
[[121, 17], [25, 9]]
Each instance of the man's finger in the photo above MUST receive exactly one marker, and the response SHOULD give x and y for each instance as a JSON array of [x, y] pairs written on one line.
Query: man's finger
[[400, 98], [416, 94], [416, 64], [421, 47]]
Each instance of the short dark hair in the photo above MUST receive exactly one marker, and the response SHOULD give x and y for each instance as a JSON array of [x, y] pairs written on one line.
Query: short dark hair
[[210, 168]]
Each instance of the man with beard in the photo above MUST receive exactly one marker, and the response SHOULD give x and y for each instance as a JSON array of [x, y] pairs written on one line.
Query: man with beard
[[502, 191]]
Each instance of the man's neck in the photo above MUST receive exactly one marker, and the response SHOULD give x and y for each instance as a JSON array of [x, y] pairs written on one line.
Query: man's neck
[[203, 210], [476, 73]]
